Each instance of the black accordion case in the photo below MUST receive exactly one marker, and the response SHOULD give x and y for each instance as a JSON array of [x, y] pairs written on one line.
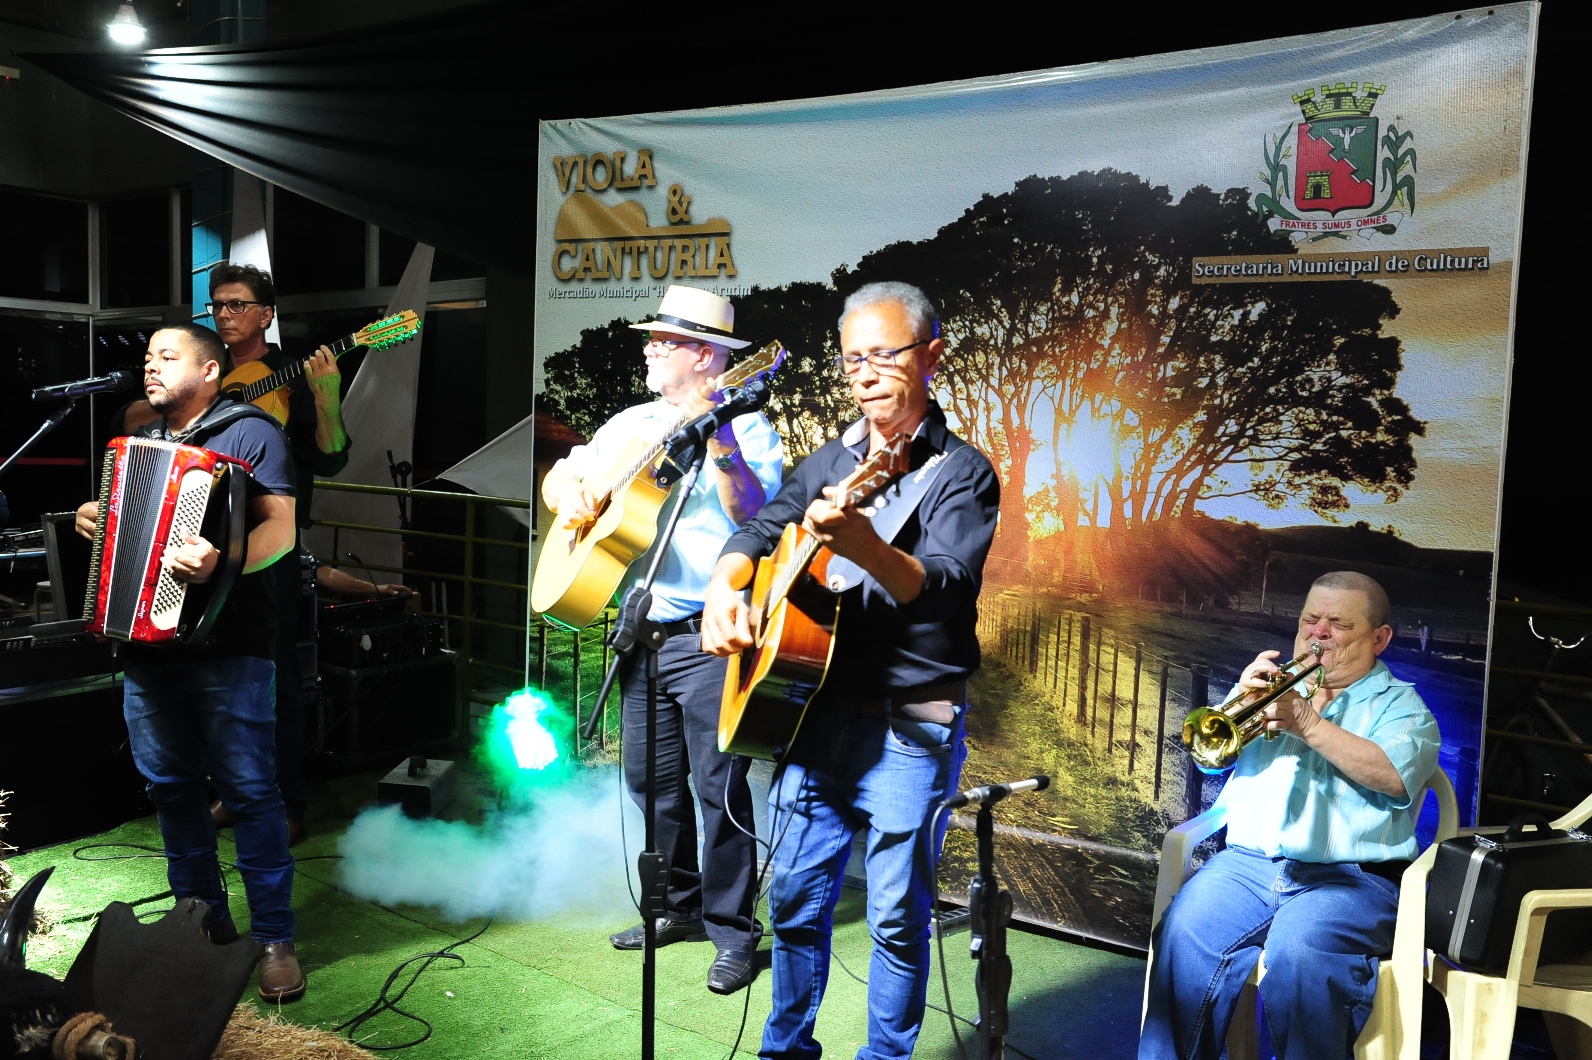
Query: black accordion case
[[1478, 881]]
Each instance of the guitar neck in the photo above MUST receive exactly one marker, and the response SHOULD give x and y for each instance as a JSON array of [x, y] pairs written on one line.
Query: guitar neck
[[285, 375], [648, 457]]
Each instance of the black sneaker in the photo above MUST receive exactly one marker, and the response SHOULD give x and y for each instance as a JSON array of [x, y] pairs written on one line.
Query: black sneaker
[[667, 931]]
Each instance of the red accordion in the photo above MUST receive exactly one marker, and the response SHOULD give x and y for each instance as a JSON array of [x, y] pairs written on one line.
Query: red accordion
[[152, 493]]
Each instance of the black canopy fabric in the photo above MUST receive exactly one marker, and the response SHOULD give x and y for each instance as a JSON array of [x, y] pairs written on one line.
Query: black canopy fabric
[[424, 126]]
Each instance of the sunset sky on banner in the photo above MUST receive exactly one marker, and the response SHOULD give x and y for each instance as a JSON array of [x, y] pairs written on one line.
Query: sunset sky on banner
[[809, 186]]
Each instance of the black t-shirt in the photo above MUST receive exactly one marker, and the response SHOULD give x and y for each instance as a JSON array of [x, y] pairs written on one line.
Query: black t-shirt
[[247, 623]]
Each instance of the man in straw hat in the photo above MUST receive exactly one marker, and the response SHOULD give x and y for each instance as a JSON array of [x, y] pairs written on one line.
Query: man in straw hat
[[688, 345]]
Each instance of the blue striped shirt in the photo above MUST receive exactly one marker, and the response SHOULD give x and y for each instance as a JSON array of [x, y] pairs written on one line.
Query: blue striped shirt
[[1285, 800]]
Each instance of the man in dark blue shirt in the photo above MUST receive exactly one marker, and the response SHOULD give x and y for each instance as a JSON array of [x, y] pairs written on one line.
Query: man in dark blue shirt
[[883, 740], [193, 710]]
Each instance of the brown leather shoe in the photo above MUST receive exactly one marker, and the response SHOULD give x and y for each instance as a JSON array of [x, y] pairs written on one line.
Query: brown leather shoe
[[281, 978], [220, 814]]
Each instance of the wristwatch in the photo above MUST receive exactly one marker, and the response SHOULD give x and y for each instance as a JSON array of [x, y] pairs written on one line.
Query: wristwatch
[[727, 461]]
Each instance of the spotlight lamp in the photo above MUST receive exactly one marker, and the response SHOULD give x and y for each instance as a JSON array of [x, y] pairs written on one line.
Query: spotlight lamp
[[125, 28]]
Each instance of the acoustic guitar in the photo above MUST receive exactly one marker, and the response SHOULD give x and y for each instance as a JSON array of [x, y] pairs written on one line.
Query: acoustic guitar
[[579, 569], [793, 620], [258, 385]]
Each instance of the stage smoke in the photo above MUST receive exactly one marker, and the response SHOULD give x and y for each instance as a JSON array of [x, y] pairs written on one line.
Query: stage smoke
[[552, 847], [559, 856]]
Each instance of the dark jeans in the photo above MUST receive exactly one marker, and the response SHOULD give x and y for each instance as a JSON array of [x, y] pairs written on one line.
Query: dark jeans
[[187, 717], [690, 685], [289, 689]]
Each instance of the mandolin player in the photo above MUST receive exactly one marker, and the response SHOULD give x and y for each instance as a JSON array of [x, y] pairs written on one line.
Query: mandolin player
[[243, 304], [687, 347]]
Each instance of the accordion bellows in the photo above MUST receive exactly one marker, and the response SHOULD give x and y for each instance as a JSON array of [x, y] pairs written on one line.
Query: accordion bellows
[[152, 494]]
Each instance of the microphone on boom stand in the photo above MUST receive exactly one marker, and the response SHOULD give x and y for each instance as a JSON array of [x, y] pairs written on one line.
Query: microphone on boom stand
[[993, 793], [738, 401], [99, 384]]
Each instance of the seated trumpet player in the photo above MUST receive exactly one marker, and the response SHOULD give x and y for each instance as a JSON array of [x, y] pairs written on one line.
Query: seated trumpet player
[[1320, 827]]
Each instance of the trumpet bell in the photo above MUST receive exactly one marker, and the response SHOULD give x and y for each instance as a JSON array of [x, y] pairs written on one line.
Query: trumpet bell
[[1213, 741], [1216, 736]]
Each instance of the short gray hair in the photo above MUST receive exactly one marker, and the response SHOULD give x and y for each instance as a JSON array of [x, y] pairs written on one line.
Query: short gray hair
[[1376, 602], [925, 319]]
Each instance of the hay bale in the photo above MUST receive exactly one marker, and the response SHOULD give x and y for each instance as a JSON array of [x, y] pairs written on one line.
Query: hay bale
[[252, 1035]]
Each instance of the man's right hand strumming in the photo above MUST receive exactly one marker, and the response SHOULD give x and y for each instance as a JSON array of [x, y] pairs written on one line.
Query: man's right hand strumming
[[87, 519], [726, 618], [576, 508]]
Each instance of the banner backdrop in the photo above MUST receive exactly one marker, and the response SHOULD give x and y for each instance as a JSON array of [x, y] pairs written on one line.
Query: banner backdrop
[[1224, 320]]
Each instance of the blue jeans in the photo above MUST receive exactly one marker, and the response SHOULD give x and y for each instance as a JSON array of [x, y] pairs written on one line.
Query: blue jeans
[[188, 717], [1321, 927], [846, 775]]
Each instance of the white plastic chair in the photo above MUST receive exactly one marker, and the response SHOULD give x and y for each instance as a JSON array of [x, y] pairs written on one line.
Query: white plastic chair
[[1393, 1030], [1481, 1008]]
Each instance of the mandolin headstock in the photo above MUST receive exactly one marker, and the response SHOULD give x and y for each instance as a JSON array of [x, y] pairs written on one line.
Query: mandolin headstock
[[389, 332]]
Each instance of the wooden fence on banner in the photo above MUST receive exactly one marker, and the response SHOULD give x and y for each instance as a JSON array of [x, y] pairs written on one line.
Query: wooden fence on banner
[[1124, 700]]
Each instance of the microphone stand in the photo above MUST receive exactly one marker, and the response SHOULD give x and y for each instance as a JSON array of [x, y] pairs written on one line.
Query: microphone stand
[[633, 631], [991, 908], [51, 423]]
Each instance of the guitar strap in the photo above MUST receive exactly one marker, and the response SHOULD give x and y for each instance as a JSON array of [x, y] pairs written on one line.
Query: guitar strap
[[892, 508], [222, 411]]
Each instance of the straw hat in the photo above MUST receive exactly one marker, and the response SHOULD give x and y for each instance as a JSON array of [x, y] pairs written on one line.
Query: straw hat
[[696, 314]]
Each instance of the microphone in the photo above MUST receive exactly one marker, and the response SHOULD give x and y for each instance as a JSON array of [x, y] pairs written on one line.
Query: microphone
[[737, 402], [99, 384], [991, 793]]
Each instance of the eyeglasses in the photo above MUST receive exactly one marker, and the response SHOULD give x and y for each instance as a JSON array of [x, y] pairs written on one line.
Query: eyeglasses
[[669, 344], [851, 363], [236, 307]]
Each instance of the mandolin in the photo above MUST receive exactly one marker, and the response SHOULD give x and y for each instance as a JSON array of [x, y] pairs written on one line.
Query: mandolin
[[579, 569], [258, 385], [793, 619]]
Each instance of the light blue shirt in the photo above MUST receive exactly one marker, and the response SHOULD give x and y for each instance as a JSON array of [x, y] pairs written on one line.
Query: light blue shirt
[[683, 577], [1285, 800]]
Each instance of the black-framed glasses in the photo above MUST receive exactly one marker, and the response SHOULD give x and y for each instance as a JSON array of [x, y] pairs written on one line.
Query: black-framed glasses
[[851, 363], [236, 307], [671, 344]]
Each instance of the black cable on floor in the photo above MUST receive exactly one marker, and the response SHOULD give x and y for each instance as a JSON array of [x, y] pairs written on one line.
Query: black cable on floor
[[384, 1003]]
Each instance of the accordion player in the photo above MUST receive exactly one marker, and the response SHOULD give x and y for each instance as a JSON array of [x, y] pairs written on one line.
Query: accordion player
[[152, 495]]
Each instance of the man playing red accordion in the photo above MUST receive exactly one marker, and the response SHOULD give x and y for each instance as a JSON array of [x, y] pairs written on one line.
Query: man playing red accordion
[[210, 709]]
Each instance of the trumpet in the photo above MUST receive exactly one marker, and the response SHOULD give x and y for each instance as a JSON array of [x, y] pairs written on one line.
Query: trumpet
[[1215, 736]]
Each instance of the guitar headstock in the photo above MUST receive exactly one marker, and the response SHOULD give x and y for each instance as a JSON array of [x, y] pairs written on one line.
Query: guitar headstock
[[876, 472], [389, 332], [765, 361]]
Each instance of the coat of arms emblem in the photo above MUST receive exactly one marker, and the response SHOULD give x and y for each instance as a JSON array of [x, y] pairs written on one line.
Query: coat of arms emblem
[[1325, 182]]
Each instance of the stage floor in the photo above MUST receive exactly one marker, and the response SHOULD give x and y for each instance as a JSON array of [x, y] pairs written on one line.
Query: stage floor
[[556, 988]]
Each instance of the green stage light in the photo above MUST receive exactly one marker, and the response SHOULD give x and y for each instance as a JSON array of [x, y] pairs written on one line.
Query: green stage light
[[526, 742]]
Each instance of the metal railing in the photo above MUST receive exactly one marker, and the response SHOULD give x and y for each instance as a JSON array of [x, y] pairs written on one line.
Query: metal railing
[[470, 581]]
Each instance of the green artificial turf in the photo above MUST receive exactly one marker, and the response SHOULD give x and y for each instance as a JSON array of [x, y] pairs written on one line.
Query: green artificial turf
[[555, 988]]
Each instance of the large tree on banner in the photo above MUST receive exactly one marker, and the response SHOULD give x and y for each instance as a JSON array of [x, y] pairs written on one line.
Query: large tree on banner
[[605, 372], [1069, 302], [810, 402]]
